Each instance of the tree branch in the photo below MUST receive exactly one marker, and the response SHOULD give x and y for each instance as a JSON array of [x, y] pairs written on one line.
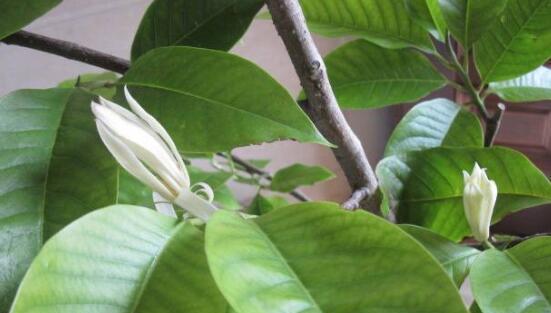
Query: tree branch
[[322, 105], [68, 50]]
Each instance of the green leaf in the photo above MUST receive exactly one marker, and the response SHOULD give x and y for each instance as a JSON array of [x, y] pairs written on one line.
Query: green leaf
[[132, 191], [364, 75], [429, 15], [515, 281], [385, 23], [199, 94], [427, 186], [534, 86], [518, 43], [456, 259], [468, 20], [435, 123], [262, 205], [297, 175], [315, 257], [217, 181], [53, 169], [121, 259], [212, 24], [16, 14], [98, 83]]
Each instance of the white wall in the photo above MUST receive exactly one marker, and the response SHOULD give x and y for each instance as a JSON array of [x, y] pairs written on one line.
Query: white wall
[[109, 25]]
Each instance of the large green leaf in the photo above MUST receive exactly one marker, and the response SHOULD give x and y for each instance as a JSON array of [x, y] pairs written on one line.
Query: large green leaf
[[514, 281], [297, 175], [214, 101], [386, 23], [427, 186], [364, 75], [315, 257], [121, 259], [212, 24], [15, 14], [455, 258], [534, 86], [519, 42], [223, 196], [429, 15], [468, 20], [53, 169], [435, 123]]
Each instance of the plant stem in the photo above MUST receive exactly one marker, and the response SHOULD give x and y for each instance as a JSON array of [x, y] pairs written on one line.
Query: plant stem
[[68, 50], [322, 106]]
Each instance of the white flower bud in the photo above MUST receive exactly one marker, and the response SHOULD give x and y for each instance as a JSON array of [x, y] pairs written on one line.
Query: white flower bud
[[144, 148], [479, 199]]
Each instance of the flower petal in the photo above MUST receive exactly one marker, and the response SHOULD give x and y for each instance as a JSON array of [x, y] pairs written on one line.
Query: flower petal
[[158, 128], [146, 145], [130, 162]]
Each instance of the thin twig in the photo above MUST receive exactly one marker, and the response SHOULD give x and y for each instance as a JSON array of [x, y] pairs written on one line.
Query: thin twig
[[255, 170], [321, 107], [68, 50]]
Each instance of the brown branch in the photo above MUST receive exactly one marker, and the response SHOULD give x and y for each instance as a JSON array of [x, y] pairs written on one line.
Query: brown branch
[[68, 50], [492, 125], [322, 105]]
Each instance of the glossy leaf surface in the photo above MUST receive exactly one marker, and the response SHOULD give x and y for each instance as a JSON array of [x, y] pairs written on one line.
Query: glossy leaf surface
[[455, 258], [297, 175], [515, 281], [199, 94], [468, 20], [121, 259], [428, 14], [212, 24], [534, 86], [16, 14], [54, 169], [386, 23], [427, 186], [315, 257], [518, 43], [364, 75], [435, 123]]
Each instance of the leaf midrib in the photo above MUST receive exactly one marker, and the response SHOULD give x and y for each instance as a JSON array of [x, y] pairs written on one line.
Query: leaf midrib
[[42, 212], [153, 266], [527, 274], [213, 102], [204, 22], [290, 270], [365, 32], [508, 46]]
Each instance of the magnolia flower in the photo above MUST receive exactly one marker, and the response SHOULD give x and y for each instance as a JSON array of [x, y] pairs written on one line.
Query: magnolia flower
[[144, 148], [479, 199]]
